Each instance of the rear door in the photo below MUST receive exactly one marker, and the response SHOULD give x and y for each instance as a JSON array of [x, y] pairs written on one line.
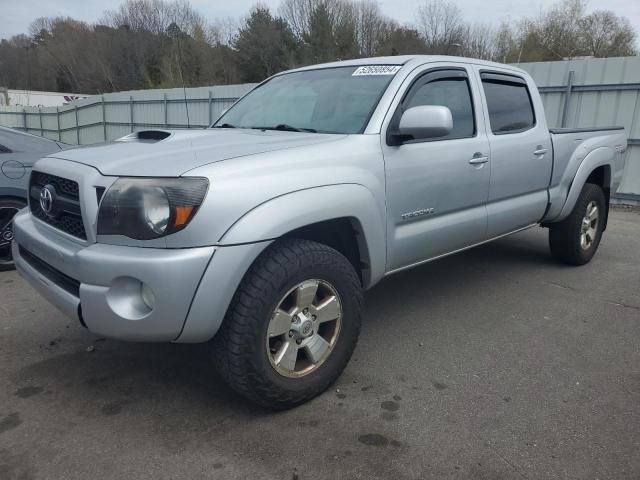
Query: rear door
[[437, 188], [521, 154]]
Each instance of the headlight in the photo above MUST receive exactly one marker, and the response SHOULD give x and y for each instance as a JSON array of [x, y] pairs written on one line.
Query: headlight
[[156, 209], [147, 208]]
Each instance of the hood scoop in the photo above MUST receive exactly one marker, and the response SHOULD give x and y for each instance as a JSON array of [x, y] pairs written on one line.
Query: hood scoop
[[146, 136]]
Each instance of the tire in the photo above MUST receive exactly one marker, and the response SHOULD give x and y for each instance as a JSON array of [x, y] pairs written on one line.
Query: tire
[[575, 239], [248, 345], [8, 208]]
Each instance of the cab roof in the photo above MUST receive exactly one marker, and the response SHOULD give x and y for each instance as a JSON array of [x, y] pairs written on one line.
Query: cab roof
[[408, 60]]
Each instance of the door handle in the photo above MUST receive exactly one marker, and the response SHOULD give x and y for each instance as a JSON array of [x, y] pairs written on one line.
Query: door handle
[[540, 152], [479, 160]]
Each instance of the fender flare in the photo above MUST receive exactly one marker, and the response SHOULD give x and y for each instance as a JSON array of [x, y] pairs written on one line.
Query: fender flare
[[280, 215], [602, 156]]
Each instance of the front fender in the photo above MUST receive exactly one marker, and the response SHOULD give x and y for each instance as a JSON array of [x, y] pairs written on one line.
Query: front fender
[[602, 156], [283, 214]]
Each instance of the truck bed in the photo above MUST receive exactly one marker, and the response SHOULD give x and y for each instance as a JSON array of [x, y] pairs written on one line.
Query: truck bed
[[570, 147]]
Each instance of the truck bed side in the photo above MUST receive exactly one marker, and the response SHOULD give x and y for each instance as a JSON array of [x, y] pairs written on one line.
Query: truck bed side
[[577, 152]]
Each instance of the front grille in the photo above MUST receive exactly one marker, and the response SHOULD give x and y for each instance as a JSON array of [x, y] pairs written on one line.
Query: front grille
[[66, 214], [68, 284]]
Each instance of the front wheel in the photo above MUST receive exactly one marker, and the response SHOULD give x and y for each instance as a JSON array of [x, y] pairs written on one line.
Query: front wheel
[[8, 209], [292, 325], [575, 239]]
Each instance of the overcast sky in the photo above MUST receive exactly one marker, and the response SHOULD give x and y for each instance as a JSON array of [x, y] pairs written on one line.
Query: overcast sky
[[16, 15]]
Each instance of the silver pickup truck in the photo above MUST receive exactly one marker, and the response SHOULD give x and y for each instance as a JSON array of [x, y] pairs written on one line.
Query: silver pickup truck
[[261, 233]]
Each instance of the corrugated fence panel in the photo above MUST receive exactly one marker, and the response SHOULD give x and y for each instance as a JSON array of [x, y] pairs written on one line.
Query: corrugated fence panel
[[553, 104], [68, 137], [148, 113], [117, 131], [67, 118], [631, 178], [90, 135], [110, 116], [11, 117], [50, 124]]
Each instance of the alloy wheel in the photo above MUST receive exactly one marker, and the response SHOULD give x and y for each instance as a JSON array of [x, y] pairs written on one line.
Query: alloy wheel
[[589, 227], [304, 328]]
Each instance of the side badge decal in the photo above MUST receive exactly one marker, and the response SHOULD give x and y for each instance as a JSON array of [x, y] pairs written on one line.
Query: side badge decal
[[418, 213]]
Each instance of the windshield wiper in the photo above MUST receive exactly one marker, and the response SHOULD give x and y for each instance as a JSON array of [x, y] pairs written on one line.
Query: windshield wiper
[[225, 125], [287, 128]]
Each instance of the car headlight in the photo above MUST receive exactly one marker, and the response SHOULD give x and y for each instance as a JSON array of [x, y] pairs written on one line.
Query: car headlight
[[147, 208]]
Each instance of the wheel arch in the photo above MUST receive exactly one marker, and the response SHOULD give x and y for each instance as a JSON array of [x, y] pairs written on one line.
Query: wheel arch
[[596, 168], [6, 262], [345, 217], [13, 194], [344, 234], [601, 176]]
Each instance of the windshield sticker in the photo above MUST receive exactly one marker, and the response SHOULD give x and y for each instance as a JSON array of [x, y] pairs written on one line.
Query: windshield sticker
[[376, 70]]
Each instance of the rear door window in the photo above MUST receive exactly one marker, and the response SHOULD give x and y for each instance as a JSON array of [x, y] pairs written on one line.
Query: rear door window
[[509, 103]]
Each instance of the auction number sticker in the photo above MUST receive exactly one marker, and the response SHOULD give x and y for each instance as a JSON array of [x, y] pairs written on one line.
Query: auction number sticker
[[376, 70]]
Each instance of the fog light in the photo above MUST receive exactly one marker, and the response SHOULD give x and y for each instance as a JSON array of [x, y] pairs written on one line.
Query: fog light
[[148, 297], [130, 298]]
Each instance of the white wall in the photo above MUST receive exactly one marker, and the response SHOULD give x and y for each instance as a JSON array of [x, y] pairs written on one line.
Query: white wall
[[28, 98]]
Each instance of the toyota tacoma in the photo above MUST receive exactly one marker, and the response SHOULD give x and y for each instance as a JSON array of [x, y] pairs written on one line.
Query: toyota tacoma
[[260, 234]]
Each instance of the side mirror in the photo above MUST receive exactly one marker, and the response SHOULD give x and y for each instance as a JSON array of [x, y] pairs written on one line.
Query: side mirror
[[426, 121]]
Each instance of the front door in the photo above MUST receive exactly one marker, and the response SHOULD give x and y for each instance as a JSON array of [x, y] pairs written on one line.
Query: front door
[[437, 189]]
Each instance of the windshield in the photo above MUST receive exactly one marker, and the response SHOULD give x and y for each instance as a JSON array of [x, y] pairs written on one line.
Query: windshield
[[330, 100]]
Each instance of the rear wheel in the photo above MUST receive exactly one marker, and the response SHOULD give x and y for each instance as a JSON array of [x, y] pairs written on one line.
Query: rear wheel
[[292, 325], [575, 240], [8, 209]]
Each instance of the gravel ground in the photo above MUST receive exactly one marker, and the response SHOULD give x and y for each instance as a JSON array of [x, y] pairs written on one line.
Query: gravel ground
[[492, 364]]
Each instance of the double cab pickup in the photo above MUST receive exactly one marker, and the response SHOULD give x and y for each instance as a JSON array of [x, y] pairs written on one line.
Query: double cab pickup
[[260, 234]]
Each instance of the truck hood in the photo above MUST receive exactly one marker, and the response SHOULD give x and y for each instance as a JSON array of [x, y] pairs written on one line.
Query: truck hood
[[167, 153]]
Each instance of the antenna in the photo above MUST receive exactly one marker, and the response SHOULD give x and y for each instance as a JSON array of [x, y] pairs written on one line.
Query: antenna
[[184, 89], [28, 79]]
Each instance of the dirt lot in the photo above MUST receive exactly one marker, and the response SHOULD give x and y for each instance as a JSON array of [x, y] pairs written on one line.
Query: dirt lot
[[493, 364]]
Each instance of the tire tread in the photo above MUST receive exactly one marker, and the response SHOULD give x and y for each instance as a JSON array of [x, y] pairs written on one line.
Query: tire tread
[[564, 235], [234, 344]]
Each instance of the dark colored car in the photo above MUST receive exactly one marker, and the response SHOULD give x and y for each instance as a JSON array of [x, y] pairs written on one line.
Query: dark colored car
[[18, 152]]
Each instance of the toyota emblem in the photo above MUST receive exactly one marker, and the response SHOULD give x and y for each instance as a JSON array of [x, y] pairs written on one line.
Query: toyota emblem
[[46, 199]]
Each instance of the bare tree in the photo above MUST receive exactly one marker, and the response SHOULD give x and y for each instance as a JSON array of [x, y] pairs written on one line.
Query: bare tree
[[63, 49], [479, 41], [558, 29], [564, 31], [223, 31], [506, 43], [371, 26], [604, 34], [154, 16], [299, 13], [398, 40], [441, 24]]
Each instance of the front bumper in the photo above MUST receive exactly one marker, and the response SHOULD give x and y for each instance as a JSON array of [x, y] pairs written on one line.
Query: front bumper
[[100, 284]]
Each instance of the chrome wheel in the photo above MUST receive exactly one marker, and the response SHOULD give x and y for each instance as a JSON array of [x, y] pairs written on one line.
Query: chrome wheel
[[6, 233], [304, 328], [589, 227]]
